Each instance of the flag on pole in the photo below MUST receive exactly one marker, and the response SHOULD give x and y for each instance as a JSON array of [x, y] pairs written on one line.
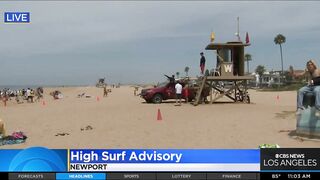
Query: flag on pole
[[212, 37], [247, 38]]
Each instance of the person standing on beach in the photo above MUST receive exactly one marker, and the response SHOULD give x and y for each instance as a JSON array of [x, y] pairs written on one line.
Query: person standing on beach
[[202, 62], [5, 98], [171, 79], [136, 89], [178, 88], [32, 94], [2, 129], [28, 94]]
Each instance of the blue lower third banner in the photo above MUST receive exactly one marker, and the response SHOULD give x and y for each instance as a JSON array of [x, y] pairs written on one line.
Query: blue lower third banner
[[34, 159], [164, 160], [40, 159]]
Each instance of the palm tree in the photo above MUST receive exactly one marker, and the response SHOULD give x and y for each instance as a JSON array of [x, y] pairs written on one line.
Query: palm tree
[[248, 57], [177, 74], [280, 39], [260, 70], [186, 69]]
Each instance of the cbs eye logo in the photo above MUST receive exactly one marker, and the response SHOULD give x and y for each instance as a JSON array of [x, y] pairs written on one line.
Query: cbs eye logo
[[37, 159]]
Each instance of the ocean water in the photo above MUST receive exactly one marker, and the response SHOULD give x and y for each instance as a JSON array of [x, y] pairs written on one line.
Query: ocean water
[[19, 87], [16, 87]]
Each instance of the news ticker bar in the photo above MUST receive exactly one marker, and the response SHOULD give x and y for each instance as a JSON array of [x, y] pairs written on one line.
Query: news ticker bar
[[163, 176], [40, 159]]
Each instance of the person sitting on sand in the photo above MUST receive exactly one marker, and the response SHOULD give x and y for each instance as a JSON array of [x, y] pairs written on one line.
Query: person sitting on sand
[[313, 86], [81, 95]]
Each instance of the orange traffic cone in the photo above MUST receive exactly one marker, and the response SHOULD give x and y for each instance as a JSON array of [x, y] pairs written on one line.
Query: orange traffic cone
[[159, 117], [278, 97], [98, 98]]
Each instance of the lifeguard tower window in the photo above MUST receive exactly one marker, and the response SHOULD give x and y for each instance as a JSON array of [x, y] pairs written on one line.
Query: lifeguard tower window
[[225, 54], [224, 61]]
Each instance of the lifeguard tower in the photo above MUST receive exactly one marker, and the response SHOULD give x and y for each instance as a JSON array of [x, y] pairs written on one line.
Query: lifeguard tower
[[229, 70], [101, 83]]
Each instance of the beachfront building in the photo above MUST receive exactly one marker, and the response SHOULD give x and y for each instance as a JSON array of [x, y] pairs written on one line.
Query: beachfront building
[[268, 79], [272, 78]]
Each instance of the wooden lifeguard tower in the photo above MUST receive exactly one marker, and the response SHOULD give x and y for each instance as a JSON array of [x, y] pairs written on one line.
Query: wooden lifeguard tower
[[229, 70]]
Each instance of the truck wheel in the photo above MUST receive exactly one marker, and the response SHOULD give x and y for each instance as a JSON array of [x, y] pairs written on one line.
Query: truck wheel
[[157, 99]]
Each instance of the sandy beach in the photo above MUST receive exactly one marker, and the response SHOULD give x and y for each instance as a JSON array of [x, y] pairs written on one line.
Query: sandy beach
[[123, 120]]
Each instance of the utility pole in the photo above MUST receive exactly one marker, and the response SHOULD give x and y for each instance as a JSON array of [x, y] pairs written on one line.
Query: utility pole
[[238, 30]]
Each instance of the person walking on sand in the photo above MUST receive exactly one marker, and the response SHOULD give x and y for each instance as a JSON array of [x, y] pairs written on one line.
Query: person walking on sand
[[178, 88], [202, 62], [105, 91], [313, 86]]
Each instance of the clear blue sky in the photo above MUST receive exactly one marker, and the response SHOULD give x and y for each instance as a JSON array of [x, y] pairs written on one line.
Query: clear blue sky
[[137, 42]]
